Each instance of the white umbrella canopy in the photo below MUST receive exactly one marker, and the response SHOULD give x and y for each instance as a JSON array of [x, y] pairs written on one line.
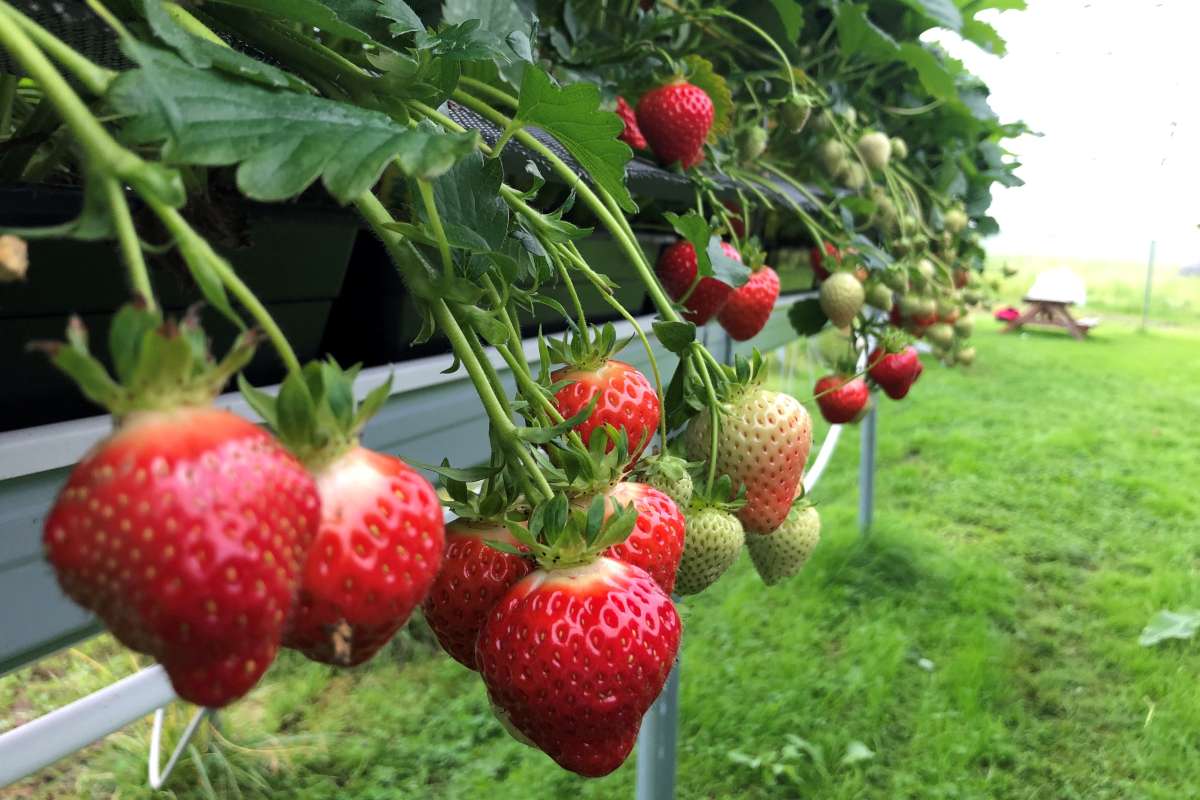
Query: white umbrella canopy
[[1059, 285]]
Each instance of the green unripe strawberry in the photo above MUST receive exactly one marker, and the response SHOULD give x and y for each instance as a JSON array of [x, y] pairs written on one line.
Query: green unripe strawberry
[[711, 543], [925, 271], [940, 335], [899, 148], [896, 279], [966, 356], [751, 143], [782, 554], [841, 298], [853, 176], [875, 149], [879, 296], [955, 220], [833, 156], [964, 327], [972, 297], [795, 112], [667, 473]]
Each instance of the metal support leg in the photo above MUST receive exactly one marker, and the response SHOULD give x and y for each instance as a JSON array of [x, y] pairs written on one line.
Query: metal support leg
[[866, 473], [656, 744]]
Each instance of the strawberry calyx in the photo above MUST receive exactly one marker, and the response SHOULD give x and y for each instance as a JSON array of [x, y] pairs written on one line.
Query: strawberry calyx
[[315, 414], [561, 534], [585, 349], [602, 466], [158, 364], [722, 496]]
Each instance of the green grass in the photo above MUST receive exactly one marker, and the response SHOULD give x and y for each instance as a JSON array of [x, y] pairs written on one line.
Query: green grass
[[1114, 287], [1033, 513]]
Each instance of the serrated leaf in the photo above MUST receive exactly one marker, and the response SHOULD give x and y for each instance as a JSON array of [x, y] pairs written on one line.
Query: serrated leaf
[[700, 72], [467, 197], [675, 336], [204, 53], [281, 141], [510, 23], [858, 34], [941, 12], [933, 75], [984, 35], [573, 116], [1170, 625], [306, 12]]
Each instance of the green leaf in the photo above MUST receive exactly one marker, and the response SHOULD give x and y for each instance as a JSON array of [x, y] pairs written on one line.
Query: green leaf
[[94, 221], [942, 12], [806, 317], [1170, 625], [379, 19], [467, 196], [204, 53], [857, 34], [306, 12], [725, 269], [700, 72], [573, 116], [791, 14], [262, 403], [125, 336], [462, 474], [985, 36], [510, 23], [295, 413], [693, 227], [675, 336], [933, 74], [281, 141]]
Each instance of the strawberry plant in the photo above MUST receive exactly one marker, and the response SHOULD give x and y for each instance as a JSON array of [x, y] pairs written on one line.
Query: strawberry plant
[[481, 143]]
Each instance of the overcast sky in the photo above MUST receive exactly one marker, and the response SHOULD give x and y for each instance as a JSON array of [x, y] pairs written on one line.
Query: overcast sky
[[1114, 87]]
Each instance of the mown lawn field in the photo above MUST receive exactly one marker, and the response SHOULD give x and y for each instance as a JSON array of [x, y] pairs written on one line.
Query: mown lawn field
[[1033, 513]]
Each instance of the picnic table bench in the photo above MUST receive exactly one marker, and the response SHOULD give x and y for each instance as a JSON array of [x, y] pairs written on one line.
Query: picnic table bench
[[1049, 301]]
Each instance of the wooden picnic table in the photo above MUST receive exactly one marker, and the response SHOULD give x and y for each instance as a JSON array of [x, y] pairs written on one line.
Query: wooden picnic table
[[1055, 313]]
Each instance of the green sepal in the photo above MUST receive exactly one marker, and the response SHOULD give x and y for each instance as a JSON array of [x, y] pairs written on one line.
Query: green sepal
[[544, 435], [676, 336]]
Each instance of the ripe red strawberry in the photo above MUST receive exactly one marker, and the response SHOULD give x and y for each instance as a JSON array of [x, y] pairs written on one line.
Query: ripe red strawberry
[[473, 578], [627, 401], [372, 561], [675, 119], [894, 372], [631, 135], [184, 531], [762, 444], [677, 270], [816, 260], [656, 543], [841, 398], [575, 657], [750, 305]]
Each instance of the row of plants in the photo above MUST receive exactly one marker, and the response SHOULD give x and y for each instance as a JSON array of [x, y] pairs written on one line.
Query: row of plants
[[209, 542]]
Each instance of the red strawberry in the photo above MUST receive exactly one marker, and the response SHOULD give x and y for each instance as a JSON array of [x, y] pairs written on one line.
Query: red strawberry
[[656, 543], [372, 561], [574, 657], [816, 260], [631, 135], [675, 119], [762, 444], [841, 398], [677, 270], [750, 305], [894, 372], [473, 578], [627, 401], [184, 531]]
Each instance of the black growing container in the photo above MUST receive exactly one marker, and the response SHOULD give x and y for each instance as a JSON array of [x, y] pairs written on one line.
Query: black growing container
[[292, 256]]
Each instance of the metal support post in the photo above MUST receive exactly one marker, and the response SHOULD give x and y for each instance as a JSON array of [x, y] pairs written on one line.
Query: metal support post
[[866, 473], [656, 744], [1149, 284]]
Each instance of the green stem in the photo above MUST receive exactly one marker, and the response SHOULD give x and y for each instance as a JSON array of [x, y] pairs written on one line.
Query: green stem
[[127, 239], [435, 221], [8, 93], [498, 95], [787, 65], [405, 260], [193, 246], [93, 77], [566, 279]]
